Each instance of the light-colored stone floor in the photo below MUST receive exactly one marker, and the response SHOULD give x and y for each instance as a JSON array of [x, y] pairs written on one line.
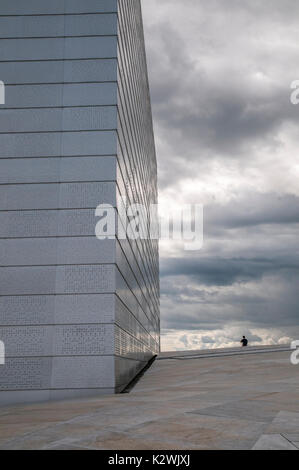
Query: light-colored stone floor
[[214, 402]]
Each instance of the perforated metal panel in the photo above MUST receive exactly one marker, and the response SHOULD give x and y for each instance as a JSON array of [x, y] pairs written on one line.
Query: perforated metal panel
[[78, 316]]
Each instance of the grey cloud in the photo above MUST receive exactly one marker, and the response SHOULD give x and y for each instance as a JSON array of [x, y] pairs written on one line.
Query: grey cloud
[[224, 272], [253, 209], [220, 75], [202, 111], [274, 303]]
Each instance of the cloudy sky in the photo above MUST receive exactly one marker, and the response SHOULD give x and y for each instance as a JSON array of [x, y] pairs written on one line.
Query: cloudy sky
[[227, 137]]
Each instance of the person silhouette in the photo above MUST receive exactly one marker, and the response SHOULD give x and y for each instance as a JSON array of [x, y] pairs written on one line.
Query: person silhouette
[[244, 341]]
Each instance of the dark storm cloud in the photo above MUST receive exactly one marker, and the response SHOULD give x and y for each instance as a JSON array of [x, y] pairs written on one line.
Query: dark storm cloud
[[213, 309], [223, 272], [252, 210], [212, 114], [201, 110], [226, 135]]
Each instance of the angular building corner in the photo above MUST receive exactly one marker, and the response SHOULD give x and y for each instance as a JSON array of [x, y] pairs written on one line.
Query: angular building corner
[[78, 316]]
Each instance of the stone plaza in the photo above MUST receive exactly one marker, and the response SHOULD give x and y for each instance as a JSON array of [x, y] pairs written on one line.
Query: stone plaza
[[209, 400]]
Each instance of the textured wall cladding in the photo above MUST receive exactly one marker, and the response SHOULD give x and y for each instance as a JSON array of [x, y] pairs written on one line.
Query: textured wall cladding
[[57, 309], [132, 278], [34, 373], [46, 280], [130, 251], [55, 251], [55, 144], [138, 327], [58, 340], [129, 347], [134, 195], [58, 48], [134, 96], [129, 115], [130, 179], [56, 196], [71, 71], [127, 188], [58, 7], [52, 26], [131, 154], [72, 320], [134, 281], [83, 372], [54, 120], [47, 223], [137, 279], [72, 94], [143, 258], [56, 170], [26, 373], [49, 196], [129, 300]]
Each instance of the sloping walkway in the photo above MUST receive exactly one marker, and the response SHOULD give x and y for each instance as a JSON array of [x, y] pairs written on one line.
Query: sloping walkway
[[191, 400]]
